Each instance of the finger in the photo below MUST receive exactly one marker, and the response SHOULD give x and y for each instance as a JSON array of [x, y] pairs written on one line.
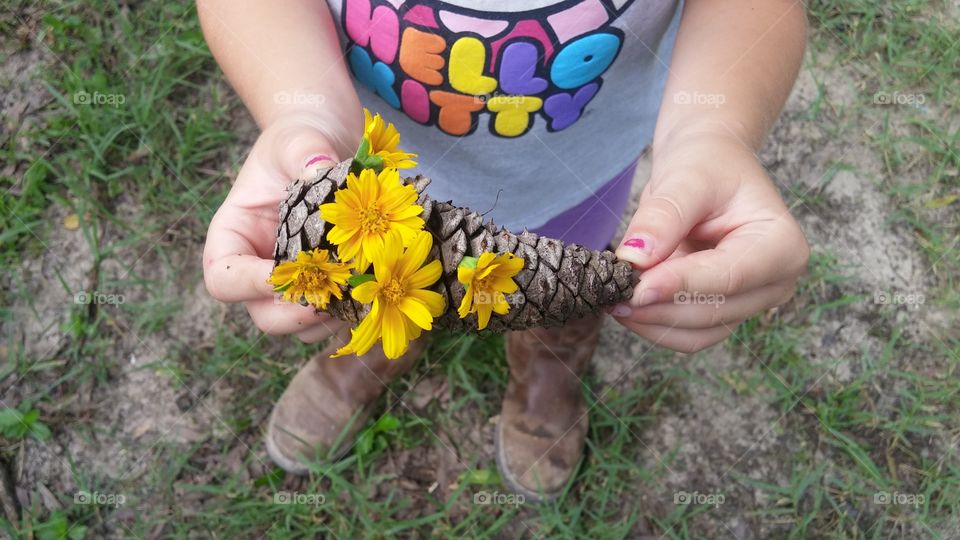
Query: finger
[[321, 332], [665, 215], [276, 318], [233, 271], [754, 255], [706, 311], [680, 339]]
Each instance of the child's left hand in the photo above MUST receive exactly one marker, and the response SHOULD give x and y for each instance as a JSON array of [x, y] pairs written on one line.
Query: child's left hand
[[715, 243]]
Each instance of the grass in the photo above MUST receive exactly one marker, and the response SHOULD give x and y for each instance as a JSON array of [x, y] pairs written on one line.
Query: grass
[[142, 178]]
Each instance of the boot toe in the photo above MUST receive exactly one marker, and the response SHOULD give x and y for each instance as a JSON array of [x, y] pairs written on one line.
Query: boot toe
[[537, 465], [299, 432]]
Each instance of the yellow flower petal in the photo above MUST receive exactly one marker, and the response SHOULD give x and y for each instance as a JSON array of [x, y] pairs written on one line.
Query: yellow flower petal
[[413, 331], [339, 235], [509, 263], [485, 259], [388, 256], [365, 292], [501, 306], [465, 305], [363, 337], [426, 276], [416, 311], [505, 285], [415, 254], [483, 315], [283, 274], [434, 300], [394, 333], [465, 275]]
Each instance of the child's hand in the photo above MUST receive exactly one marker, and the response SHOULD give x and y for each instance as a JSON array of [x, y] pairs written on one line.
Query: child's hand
[[714, 240], [238, 255]]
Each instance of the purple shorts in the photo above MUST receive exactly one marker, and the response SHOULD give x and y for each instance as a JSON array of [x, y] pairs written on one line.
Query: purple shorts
[[593, 222]]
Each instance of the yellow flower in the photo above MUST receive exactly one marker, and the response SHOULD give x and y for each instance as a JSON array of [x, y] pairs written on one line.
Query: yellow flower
[[402, 307], [382, 139], [487, 280], [368, 208], [312, 276]]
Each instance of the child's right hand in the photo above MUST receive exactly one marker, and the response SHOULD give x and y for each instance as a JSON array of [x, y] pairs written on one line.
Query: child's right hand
[[237, 257]]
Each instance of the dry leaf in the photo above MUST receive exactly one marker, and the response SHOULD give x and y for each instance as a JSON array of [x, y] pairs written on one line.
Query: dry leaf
[[940, 202], [71, 222]]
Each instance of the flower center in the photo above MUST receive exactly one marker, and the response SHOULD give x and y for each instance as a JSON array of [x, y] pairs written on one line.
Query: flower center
[[394, 292], [483, 292], [373, 221], [483, 284], [313, 279]]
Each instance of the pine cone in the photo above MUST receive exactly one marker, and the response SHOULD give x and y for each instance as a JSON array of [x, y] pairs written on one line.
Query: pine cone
[[558, 282]]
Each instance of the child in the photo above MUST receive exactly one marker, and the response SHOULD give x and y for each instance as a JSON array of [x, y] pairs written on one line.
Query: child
[[538, 111]]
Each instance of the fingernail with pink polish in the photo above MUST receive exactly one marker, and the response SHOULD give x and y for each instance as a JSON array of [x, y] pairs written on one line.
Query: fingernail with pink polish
[[621, 310], [314, 165], [317, 159], [642, 243]]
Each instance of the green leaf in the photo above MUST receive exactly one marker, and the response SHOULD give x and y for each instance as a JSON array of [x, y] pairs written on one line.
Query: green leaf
[[365, 442], [10, 417], [40, 431], [468, 262], [483, 477], [357, 279], [30, 417], [56, 528], [386, 423], [18, 423], [364, 160], [370, 162], [364, 151], [13, 424]]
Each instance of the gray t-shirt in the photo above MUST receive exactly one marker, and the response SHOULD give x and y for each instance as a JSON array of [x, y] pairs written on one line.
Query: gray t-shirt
[[519, 108]]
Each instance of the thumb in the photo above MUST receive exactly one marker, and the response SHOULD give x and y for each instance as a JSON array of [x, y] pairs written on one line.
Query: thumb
[[308, 154], [666, 214], [299, 151]]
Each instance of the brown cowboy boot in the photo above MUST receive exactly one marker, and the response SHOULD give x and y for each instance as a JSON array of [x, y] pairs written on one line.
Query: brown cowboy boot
[[539, 439], [328, 401]]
